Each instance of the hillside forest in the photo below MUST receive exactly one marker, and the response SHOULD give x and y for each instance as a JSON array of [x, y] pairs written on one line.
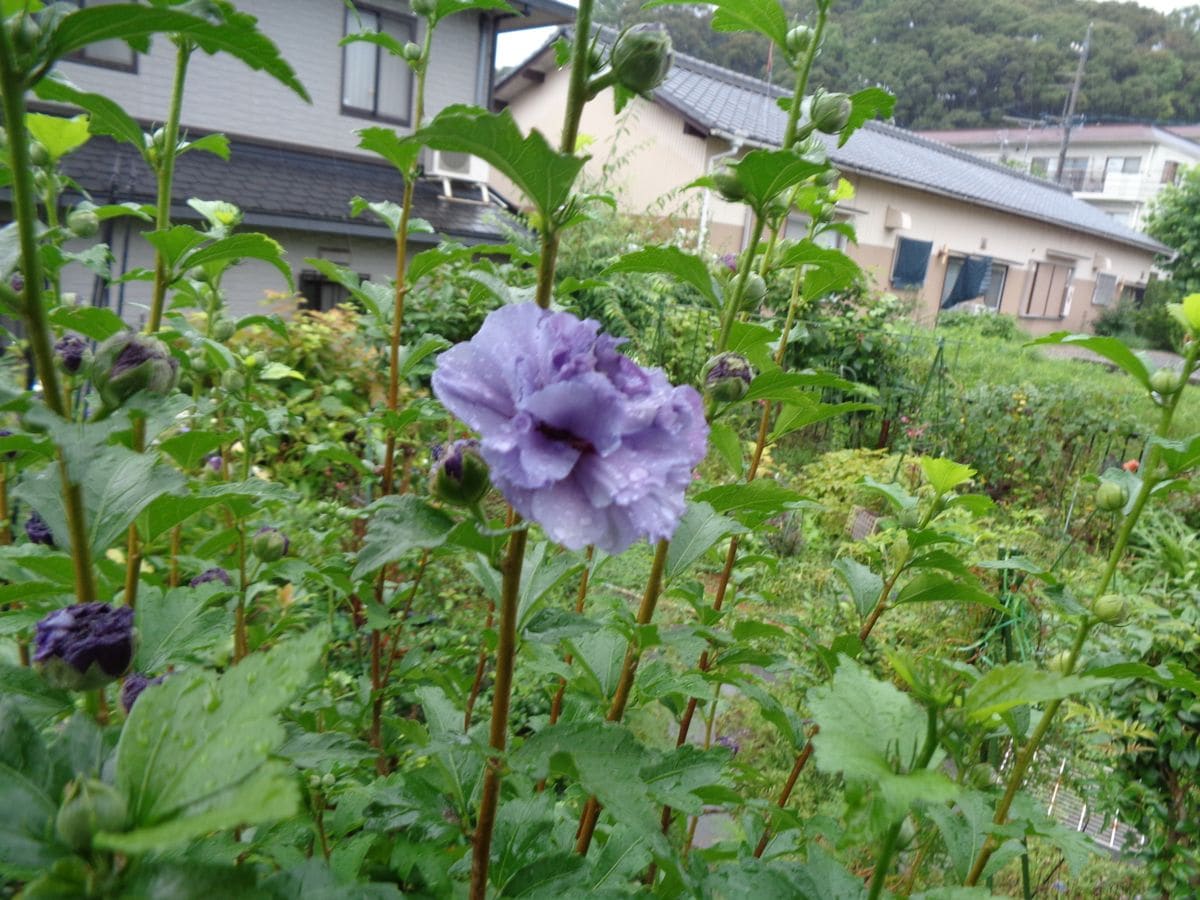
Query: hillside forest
[[973, 62]]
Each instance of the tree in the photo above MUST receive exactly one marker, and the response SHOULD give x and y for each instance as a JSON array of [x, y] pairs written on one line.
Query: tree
[[1175, 220]]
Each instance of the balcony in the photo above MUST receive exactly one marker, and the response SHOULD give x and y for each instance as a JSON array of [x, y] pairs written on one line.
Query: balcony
[[1084, 181]]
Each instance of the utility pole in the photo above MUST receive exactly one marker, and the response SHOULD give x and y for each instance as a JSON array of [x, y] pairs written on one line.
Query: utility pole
[[1069, 112]]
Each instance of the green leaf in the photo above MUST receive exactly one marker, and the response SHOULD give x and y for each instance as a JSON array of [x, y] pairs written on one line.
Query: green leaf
[[243, 246], [414, 355], [236, 35], [174, 242], [1111, 348], [57, 134], [931, 587], [864, 585], [541, 173], [104, 115], [446, 8], [389, 213], [194, 753], [675, 777], [1174, 676], [374, 297], [668, 260], [793, 387], [94, 322], [894, 493], [764, 16], [175, 626], [189, 447], [699, 530], [767, 174], [400, 152], [1021, 684], [753, 503], [964, 829], [800, 416], [869, 103], [828, 271], [725, 441], [398, 525], [944, 474], [216, 144], [29, 691], [1179, 455]]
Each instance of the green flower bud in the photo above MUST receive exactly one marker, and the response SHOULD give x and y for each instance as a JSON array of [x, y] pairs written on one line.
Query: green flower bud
[[424, 8], [83, 223], [38, 154], [830, 112], [910, 517], [459, 475], [1111, 496], [89, 807], [269, 544], [23, 32], [233, 381], [1165, 381], [799, 39], [641, 58], [729, 186], [223, 329], [129, 362], [198, 361], [727, 377], [981, 776], [412, 52], [1110, 609], [756, 288], [1058, 662]]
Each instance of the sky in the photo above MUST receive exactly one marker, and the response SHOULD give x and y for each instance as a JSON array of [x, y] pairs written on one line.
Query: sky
[[515, 47]]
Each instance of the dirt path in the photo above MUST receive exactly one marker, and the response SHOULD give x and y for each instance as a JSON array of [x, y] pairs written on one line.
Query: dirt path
[[1157, 358]]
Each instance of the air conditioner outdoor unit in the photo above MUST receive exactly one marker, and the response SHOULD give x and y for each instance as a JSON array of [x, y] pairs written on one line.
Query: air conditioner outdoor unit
[[451, 166]]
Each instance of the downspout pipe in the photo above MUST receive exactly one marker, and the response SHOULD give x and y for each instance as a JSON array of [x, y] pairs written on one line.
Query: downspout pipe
[[735, 147]]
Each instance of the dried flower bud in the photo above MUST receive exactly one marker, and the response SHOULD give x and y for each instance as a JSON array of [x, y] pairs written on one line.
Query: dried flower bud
[[84, 646], [216, 573], [830, 112], [727, 377], [459, 475], [641, 58], [133, 686], [72, 352], [269, 544], [127, 363], [88, 807], [38, 531]]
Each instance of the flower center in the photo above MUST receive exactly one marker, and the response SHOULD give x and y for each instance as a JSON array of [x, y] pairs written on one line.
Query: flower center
[[563, 436]]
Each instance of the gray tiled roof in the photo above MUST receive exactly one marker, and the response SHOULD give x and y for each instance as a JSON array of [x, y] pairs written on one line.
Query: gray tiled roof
[[715, 99], [720, 100], [282, 186]]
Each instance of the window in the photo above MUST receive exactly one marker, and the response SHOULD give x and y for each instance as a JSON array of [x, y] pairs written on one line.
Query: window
[[320, 294], [1106, 289], [1049, 293], [376, 84], [992, 287], [112, 54], [911, 263], [1040, 166], [1170, 173], [1124, 165], [1074, 172]]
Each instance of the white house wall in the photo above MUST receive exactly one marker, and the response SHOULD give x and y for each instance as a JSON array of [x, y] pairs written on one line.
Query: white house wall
[[224, 94]]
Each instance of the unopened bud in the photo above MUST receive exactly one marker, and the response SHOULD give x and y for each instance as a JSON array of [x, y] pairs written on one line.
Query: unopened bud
[[88, 807], [269, 544], [459, 475], [641, 58], [127, 363], [830, 112], [727, 377]]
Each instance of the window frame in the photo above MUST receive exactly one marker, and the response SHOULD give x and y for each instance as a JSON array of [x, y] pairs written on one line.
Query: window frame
[[311, 277], [1170, 172], [80, 56], [363, 11], [1113, 294], [1063, 301], [997, 269]]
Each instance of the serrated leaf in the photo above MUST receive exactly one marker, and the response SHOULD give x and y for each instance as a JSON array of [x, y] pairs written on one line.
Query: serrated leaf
[[699, 530], [1174, 676], [894, 493], [828, 271], [752, 503], [400, 152], [216, 144], [1180, 455], [764, 16], [864, 585], [172, 243], [931, 587], [944, 474], [1111, 348], [189, 447], [669, 260], [767, 174], [793, 387], [869, 103], [544, 175], [243, 246], [105, 116], [423, 349], [724, 441], [398, 525], [797, 417], [175, 626], [193, 755], [57, 134], [94, 322], [36, 700], [1021, 684]]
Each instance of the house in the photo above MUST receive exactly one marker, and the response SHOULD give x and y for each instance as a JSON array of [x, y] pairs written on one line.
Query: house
[[1116, 168], [294, 167], [931, 220]]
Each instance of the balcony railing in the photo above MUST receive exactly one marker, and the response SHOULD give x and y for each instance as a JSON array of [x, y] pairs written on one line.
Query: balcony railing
[[1082, 180]]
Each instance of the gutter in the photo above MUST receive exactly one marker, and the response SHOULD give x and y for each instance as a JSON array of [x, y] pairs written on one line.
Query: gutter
[[736, 142]]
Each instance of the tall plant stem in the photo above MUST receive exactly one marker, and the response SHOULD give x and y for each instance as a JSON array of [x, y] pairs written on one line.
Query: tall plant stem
[[616, 709], [888, 851], [580, 600], [1016, 777], [37, 323], [506, 650], [6, 532], [786, 794]]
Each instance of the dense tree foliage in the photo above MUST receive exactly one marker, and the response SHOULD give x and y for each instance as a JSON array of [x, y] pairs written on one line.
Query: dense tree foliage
[[1175, 220], [973, 62]]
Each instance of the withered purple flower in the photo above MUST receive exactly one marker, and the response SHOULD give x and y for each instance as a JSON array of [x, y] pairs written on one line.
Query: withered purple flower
[[216, 573], [133, 686], [72, 351], [38, 531], [580, 439], [84, 646], [214, 462], [459, 474]]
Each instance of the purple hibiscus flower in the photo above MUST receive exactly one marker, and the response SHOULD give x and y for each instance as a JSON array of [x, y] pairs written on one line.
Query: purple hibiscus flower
[[133, 686], [84, 646], [580, 439]]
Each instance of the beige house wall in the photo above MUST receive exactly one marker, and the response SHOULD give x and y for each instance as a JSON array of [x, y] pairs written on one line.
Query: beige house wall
[[651, 156]]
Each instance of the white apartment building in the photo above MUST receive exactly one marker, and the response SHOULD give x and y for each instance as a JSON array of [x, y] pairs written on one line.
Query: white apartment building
[[1116, 168]]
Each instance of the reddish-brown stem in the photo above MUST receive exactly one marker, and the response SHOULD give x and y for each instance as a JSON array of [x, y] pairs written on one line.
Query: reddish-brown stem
[[506, 649], [580, 598], [786, 794], [633, 652], [480, 668], [408, 605]]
